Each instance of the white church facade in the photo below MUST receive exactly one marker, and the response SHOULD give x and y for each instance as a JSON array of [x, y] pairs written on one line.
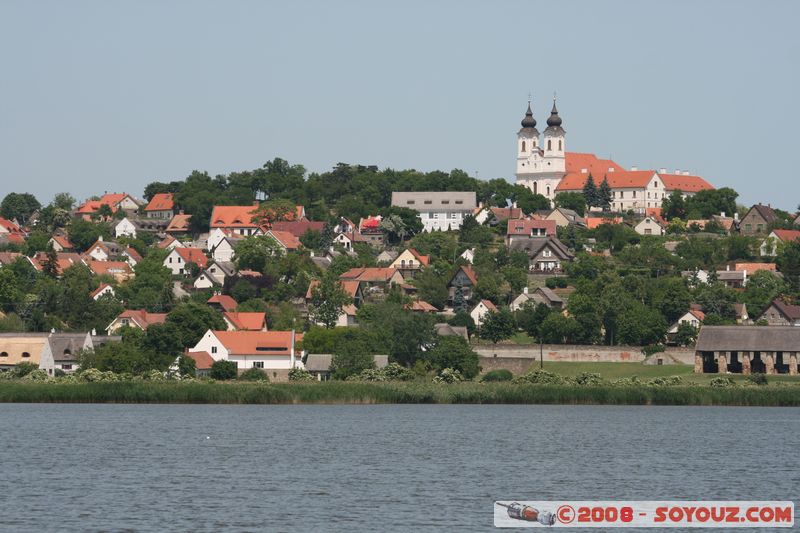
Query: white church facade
[[545, 167]]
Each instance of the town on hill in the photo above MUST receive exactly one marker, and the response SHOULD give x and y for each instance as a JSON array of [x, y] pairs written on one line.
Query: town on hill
[[367, 273]]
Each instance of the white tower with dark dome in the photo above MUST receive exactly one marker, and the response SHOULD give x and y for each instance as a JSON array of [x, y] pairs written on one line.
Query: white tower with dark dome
[[540, 166]]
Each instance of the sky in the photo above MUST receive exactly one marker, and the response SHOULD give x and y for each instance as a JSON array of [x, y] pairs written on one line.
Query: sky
[[102, 96]]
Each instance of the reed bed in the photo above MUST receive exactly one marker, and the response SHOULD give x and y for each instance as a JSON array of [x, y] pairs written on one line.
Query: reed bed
[[388, 393]]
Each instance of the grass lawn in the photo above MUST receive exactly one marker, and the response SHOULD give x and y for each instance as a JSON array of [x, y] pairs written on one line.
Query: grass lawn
[[612, 371]]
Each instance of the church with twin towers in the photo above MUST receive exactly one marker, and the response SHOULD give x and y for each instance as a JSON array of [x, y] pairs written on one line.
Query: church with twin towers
[[546, 168]]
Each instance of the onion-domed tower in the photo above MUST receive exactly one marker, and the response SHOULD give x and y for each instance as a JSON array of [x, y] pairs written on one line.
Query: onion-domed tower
[[553, 143]]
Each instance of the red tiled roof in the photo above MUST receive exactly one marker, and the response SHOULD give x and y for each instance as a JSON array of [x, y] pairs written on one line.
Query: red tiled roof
[[422, 306], [111, 200], [685, 183], [593, 222], [179, 222], [525, 226], [169, 239], [371, 223], [370, 274], [576, 162], [133, 254], [98, 290], [489, 305], [424, 260], [257, 342], [225, 301], [202, 360], [699, 315], [142, 318], [62, 241], [162, 201], [192, 255], [6, 258], [298, 227], [787, 235], [754, 267], [246, 321], [288, 240], [233, 216], [473, 278], [619, 179], [505, 213], [110, 267], [349, 286]]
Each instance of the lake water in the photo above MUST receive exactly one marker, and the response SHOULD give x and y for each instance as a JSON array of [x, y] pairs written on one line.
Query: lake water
[[375, 468]]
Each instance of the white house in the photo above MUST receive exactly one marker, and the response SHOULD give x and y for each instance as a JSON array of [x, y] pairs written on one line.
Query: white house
[[267, 350], [649, 226], [125, 228], [225, 250], [468, 255], [178, 258], [102, 290], [480, 311], [214, 275], [439, 211], [769, 246], [692, 317]]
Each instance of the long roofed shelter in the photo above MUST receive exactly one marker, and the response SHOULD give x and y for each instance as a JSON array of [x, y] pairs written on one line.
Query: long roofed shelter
[[747, 349]]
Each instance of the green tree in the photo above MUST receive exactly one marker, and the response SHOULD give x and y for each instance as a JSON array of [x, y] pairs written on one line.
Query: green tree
[[431, 287], [350, 359], [191, 321], [223, 370], [686, 334], [254, 374], [497, 326], [709, 202], [640, 325], [558, 329], [762, 287], [83, 233], [788, 262], [456, 353], [674, 206], [273, 211], [531, 317], [253, 253], [604, 195], [9, 289], [590, 193], [19, 206], [571, 200], [528, 201], [328, 298]]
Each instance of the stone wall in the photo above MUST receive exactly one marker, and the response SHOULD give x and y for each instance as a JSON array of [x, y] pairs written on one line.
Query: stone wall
[[518, 359]]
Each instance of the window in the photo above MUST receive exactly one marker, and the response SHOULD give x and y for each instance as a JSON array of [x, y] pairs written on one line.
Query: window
[[634, 194], [428, 202], [535, 186], [748, 227], [548, 190], [453, 215], [559, 146], [410, 202], [621, 194], [445, 202], [549, 144], [3, 354], [523, 146], [648, 231], [170, 260], [258, 364], [459, 201], [547, 253], [759, 228], [213, 349], [25, 354], [66, 367]]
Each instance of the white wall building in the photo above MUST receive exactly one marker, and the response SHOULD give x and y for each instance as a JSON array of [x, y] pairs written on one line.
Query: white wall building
[[439, 211]]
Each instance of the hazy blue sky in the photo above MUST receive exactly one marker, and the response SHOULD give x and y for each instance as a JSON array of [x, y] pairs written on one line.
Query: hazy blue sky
[[111, 95]]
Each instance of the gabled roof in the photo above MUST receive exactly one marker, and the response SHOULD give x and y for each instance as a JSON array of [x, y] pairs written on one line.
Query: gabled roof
[[162, 201], [112, 200], [285, 239], [576, 162], [505, 213], [257, 342], [370, 224], [467, 270], [101, 288], [6, 258], [421, 306], [202, 360], [593, 222], [754, 267], [423, 260], [62, 241], [748, 339], [142, 318], [699, 315], [298, 228], [526, 226], [349, 286], [233, 216], [533, 246], [246, 321], [766, 212], [133, 254], [223, 300], [789, 311], [684, 183], [787, 235], [192, 255], [624, 179], [110, 268], [179, 223], [369, 274], [64, 260], [10, 226], [426, 201], [489, 305]]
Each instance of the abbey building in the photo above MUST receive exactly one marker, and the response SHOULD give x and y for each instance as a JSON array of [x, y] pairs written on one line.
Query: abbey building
[[546, 168]]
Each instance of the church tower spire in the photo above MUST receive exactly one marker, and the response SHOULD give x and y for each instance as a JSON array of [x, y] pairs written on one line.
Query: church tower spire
[[554, 142]]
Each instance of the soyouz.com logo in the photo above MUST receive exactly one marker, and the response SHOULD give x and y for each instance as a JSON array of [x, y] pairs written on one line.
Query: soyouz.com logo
[[659, 514]]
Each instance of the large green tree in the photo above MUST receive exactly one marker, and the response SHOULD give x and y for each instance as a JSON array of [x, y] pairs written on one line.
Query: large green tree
[[455, 353], [328, 297], [19, 206]]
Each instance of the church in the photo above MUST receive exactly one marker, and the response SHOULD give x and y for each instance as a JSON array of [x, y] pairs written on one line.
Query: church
[[546, 168]]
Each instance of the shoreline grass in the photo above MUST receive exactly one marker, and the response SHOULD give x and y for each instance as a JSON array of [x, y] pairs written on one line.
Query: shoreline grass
[[394, 393]]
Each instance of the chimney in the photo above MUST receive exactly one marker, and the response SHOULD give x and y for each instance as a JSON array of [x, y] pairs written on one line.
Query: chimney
[[722, 214], [514, 204], [662, 170], [736, 216], [100, 238], [525, 290], [634, 168]]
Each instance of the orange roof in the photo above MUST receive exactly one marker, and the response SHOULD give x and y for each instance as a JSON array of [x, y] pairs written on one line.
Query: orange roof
[[162, 201], [64, 260], [225, 301], [684, 183], [257, 342], [699, 315], [286, 239], [504, 213], [101, 288], [111, 200], [298, 228], [142, 318], [349, 286], [62, 241], [422, 306], [202, 361], [110, 267], [593, 222], [370, 274], [233, 216], [619, 179], [179, 223], [133, 254], [787, 235], [469, 272], [526, 226], [489, 305], [754, 267], [370, 223], [576, 162], [423, 259], [169, 239], [192, 255], [246, 321]]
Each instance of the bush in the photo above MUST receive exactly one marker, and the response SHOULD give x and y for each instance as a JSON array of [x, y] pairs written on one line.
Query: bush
[[653, 348], [722, 382], [666, 381], [632, 381], [541, 377], [59, 373], [36, 375], [757, 378], [391, 372], [501, 374], [223, 370], [23, 369], [448, 375], [254, 374], [588, 378], [456, 354], [300, 374], [558, 282]]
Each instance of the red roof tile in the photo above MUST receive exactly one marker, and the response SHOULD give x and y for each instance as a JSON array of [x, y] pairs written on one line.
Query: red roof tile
[[192, 255], [142, 318], [526, 226], [246, 321], [162, 201], [257, 342], [179, 223], [593, 222], [202, 360], [286, 239], [787, 235], [684, 183], [225, 301]]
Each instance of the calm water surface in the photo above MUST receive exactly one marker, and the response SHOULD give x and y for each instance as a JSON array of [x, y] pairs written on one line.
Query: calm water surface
[[375, 468]]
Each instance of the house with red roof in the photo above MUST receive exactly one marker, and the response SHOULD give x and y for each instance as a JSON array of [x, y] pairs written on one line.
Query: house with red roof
[[222, 302], [245, 321], [121, 271], [462, 284], [135, 318], [529, 228], [481, 310], [244, 219], [298, 227], [274, 352], [179, 225], [64, 260], [777, 238], [61, 243], [780, 313], [374, 276], [179, 258], [11, 232], [287, 241], [115, 201], [162, 205], [694, 317], [101, 291], [651, 225], [409, 262]]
